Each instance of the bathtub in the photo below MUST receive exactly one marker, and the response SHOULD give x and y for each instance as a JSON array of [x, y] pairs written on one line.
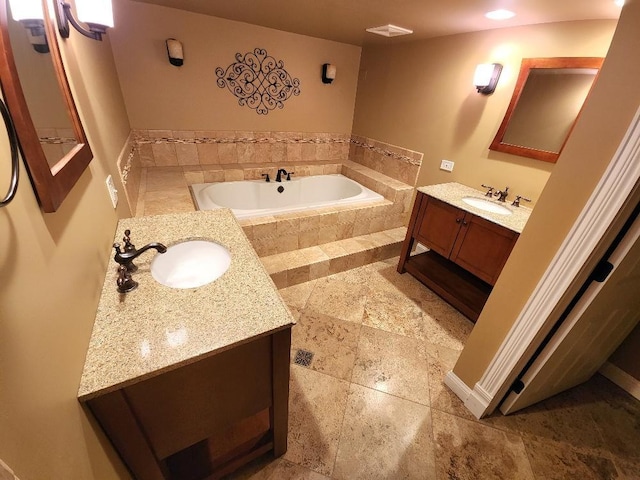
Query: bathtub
[[257, 198]]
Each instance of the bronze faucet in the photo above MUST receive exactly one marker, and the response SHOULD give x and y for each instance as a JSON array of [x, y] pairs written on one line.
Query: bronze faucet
[[282, 171], [126, 258]]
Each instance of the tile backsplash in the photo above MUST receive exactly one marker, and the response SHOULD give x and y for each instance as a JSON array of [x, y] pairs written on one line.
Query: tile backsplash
[[171, 148], [245, 155]]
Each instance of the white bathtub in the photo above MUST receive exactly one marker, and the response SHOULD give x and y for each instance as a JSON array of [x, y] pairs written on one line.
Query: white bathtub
[[257, 198]]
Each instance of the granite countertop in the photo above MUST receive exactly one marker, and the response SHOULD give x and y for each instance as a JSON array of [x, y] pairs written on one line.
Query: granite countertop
[[452, 193], [155, 329]]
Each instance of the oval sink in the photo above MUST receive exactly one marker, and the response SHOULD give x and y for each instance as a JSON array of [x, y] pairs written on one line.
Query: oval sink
[[486, 205], [190, 264]]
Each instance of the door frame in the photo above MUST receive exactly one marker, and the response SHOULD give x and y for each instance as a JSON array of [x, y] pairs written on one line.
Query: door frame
[[607, 199]]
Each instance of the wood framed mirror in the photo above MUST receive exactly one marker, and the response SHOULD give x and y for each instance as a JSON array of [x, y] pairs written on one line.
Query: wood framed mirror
[[546, 102], [35, 86]]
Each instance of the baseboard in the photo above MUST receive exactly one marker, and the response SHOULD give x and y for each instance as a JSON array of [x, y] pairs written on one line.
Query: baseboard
[[457, 386], [621, 378], [476, 400]]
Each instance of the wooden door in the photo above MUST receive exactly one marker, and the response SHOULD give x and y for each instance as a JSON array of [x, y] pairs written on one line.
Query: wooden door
[[594, 328], [482, 247], [438, 226]]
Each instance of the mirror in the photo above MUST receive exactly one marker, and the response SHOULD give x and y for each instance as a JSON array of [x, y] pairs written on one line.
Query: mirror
[[52, 140], [547, 99]]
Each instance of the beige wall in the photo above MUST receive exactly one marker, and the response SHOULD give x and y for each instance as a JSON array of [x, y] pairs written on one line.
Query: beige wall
[[161, 96], [52, 268], [420, 95], [590, 148]]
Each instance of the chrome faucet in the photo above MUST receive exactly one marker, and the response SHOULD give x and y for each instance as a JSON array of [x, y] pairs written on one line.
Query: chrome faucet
[[126, 258], [502, 194]]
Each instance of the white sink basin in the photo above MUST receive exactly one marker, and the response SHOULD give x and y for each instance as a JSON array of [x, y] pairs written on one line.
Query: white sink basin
[[190, 264], [486, 205]]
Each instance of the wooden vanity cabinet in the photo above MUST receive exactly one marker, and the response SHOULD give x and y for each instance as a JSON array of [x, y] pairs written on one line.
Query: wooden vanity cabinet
[[466, 253], [206, 419]]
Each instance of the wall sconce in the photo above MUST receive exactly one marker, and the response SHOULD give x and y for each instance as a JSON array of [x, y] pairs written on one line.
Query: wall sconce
[[486, 77], [30, 14], [97, 14], [175, 52], [328, 73]]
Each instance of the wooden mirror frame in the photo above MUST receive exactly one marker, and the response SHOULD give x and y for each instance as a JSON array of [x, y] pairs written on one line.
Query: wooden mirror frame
[[51, 185], [527, 65]]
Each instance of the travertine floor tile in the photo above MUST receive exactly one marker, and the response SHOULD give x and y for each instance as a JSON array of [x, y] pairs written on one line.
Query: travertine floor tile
[[265, 468], [297, 295], [565, 418], [467, 450], [555, 461], [338, 299], [617, 417], [333, 342], [393, 364], [441, 361], [384, 437], [316, 407], [393, 312]]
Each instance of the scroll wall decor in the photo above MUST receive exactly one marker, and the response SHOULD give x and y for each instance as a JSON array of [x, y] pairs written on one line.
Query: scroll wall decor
[[259, 81]]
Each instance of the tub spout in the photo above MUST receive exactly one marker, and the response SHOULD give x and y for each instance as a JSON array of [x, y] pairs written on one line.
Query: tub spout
[[281, 171]]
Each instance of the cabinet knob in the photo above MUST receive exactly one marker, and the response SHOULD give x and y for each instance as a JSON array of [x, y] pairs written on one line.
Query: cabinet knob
[[458, 220], [465, 223]]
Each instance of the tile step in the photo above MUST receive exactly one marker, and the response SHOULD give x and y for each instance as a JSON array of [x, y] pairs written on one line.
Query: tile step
[[297, 266]]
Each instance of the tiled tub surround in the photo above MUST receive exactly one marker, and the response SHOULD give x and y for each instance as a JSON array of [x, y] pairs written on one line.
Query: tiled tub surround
[[294, 247], [155, 148], [396, 162], [165, 190]]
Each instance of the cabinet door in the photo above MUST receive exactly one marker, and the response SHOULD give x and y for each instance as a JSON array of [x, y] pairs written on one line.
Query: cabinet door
[[438, 226], [482, 247]]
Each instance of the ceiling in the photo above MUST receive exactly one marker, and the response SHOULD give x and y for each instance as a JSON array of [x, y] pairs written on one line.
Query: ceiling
[[346, 20]]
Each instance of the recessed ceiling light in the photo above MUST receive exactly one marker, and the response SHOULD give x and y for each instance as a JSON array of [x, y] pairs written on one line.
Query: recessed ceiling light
[[389, 31], [500, 14]]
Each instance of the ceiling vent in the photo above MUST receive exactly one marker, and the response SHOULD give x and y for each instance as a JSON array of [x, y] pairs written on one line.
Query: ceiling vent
[[390, 31]]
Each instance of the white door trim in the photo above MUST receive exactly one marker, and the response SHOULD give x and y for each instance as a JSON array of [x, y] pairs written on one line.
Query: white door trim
[[605, 202]]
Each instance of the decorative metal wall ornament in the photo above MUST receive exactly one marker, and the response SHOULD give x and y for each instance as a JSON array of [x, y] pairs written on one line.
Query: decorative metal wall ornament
[[259, 81]]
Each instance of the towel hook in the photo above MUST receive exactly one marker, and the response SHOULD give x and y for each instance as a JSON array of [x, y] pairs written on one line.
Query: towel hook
[[15, 166]]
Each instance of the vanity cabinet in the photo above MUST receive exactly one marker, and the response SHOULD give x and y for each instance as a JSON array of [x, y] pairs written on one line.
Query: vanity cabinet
[[466, 253], [203, 420], [190, 384]]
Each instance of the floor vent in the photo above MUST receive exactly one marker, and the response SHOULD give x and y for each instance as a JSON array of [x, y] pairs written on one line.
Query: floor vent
[[303, 358]]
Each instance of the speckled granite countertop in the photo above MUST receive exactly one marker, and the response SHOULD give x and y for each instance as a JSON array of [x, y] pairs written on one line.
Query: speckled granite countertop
[[154, 328], [453, 193]]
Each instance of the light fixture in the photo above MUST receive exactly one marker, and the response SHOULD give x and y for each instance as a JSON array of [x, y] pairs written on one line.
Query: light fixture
[[97, 14], [175, 52], [500, 14], [328, 73], [619, 3], [486, 77], [30, 14]]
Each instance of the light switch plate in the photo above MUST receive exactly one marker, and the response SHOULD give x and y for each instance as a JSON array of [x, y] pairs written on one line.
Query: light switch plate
[[446, 165], [113, 193]]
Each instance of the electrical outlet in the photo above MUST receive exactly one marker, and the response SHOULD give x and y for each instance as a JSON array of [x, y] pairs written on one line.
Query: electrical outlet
[[446, 165], [113, 193]]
